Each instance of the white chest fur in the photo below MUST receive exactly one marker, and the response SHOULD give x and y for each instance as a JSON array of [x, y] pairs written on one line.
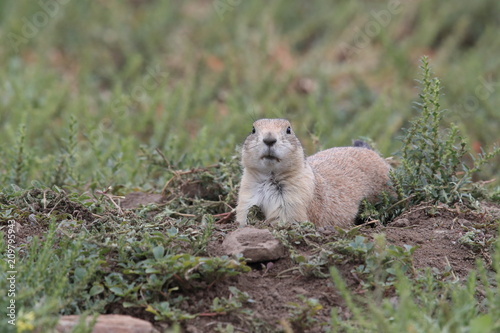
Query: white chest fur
[[271, 197], [283, 199]]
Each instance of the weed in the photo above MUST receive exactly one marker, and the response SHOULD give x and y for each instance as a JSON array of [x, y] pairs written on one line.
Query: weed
[[165, 311], [21, 163], [64, 173], [57, 271], [302, 315], [231, 304], [106, 261], [374, 261], [476, 240], [425, 304], [432, 167]]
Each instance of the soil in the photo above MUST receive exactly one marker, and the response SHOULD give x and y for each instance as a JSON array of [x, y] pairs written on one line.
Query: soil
[[272, 294], [437, 232]]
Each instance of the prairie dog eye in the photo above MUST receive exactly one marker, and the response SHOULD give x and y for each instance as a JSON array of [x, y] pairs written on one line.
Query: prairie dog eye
[[288, 130], [253, 130]]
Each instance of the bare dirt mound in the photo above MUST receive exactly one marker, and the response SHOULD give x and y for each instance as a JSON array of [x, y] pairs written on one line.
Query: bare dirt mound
[[274, 297], [445, 238]]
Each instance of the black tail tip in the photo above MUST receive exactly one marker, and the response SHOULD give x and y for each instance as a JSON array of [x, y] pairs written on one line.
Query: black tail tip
[[361, 144]]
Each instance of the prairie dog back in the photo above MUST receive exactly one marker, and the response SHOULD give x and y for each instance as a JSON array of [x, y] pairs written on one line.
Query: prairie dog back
[[345, 176], [325, 188]]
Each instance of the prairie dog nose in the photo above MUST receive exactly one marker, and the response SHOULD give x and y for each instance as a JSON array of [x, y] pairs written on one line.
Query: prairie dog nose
[[269, 140]]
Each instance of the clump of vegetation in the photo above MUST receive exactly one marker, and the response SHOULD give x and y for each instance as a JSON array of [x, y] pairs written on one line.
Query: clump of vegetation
[[424, 303], [233, 303], [302, 314], [432, 168], [97, 259], [372, 261]]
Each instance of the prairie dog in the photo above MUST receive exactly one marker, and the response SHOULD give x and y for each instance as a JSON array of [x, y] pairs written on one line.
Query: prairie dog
[[325, 188]]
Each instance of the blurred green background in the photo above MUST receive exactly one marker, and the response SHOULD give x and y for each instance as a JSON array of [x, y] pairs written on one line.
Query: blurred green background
[[90, 89]]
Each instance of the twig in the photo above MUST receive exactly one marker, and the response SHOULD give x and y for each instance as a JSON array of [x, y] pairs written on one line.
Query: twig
[[57, 203], [232, 209], [167, 162], [44, 200], [184, 215], [167, 184], [368, 223], [110, 198], [421, 206], [484, 182], [63, 231], [358, 280], [291, 269], [400, 201], [452, 271], [224, 216]]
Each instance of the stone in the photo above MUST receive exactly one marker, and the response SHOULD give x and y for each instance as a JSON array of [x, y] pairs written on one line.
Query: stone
[[134, 200], [400, 223], [112, 323], [257, 245]]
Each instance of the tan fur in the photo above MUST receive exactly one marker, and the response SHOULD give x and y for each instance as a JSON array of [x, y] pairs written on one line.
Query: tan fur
[[325, 188]]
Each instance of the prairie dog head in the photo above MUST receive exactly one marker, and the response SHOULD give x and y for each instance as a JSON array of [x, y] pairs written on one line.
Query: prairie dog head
[[272, 147]]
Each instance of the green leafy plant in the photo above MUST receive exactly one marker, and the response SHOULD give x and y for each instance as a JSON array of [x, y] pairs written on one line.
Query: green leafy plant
[[427, 303], [375, 260], [21, 159], [111, 260], [165, 311], [432, 168], [231, 304], [52, 276], [302, 314]]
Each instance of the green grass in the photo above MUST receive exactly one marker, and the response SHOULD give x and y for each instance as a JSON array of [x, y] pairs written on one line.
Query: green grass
[[124, 94], [159, 75], [426, 303], [133, 261]]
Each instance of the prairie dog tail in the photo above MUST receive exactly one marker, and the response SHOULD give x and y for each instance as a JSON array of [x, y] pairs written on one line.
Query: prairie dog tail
[[361, 144]]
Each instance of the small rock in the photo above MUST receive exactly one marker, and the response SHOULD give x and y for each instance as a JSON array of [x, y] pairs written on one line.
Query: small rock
[[108, 324], [136, 199], [257, 245], [300, 291], [400, 223]]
